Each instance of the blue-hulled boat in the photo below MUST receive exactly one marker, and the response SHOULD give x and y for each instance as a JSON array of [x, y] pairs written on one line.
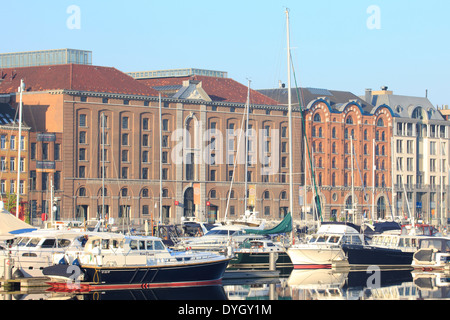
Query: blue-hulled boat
[[114, 261]]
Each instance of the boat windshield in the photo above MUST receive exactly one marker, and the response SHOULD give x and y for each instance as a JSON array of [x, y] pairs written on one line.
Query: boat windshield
[[351, 239], [222, 233], [32, 243]]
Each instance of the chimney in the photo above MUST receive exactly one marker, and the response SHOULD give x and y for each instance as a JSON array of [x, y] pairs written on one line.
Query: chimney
[[281, 85], [368, 96]]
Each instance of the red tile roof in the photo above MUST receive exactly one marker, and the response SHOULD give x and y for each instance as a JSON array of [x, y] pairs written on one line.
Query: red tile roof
[[218, 89], [72, 77]]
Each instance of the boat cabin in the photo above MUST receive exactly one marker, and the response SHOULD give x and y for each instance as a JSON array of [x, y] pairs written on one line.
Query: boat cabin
[[402, 242], [419, 229], [124, 244], [433, 253]]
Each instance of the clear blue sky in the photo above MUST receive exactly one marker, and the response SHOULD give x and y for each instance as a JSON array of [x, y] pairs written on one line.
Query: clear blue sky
[[332, 45]]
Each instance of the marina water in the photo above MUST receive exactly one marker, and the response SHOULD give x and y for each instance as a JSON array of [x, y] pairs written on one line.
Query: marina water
[[299, 285]]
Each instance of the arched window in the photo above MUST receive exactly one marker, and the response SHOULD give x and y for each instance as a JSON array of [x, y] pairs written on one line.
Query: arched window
[[333, 147], [317, 118], [333, 163], [349, 120], [380, 122], [333, 132], [320, 132], [333, 179]]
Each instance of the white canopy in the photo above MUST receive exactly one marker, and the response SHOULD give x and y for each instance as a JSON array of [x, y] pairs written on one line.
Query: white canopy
[[10, 226]]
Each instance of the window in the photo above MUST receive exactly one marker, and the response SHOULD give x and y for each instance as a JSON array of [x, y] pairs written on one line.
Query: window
[[81, 173], [165, 125], [125, 139], [33, 151], [125, 123], [380, 123], [145, 140], [213, 175], [45, 151], [12, 142], [317, 118], [145, 173], [124, 155], [82, 139], [82, 120], [145, 157], [145, 124], [124, 173], [82, 154], [12, 164], [57, 180], [349, 120], [57, 151]]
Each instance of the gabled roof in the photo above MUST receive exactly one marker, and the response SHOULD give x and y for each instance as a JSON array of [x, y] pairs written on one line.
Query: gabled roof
[[218, 89], [72, 77], [336, 98]]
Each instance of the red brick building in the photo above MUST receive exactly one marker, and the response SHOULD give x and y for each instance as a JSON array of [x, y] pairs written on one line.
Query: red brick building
[[334, 122]]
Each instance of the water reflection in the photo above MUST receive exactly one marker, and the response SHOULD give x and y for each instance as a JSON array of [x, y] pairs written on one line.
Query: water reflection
[[298, 285]]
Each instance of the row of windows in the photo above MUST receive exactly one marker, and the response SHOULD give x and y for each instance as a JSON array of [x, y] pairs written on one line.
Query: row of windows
[[12, 187], [45, 151], [317, 131], [45, 182], [12, 164], [380, 180], [348, 120], [12, 142]]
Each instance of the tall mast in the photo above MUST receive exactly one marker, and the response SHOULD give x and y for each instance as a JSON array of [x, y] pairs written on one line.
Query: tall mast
[[291, 188], [246, 147], [21, 88]]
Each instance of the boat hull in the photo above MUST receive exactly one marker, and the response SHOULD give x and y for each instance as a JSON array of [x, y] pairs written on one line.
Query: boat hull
[[314, 257], [259, 260], [359, 255], [152, 276]]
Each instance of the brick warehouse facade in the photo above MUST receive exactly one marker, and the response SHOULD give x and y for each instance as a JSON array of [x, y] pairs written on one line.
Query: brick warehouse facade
[[65, 104]]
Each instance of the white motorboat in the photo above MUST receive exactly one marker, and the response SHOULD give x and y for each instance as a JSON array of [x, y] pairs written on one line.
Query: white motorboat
[[114, 261], [31, 252], [220, 238], [433, 254], [324, 247]]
